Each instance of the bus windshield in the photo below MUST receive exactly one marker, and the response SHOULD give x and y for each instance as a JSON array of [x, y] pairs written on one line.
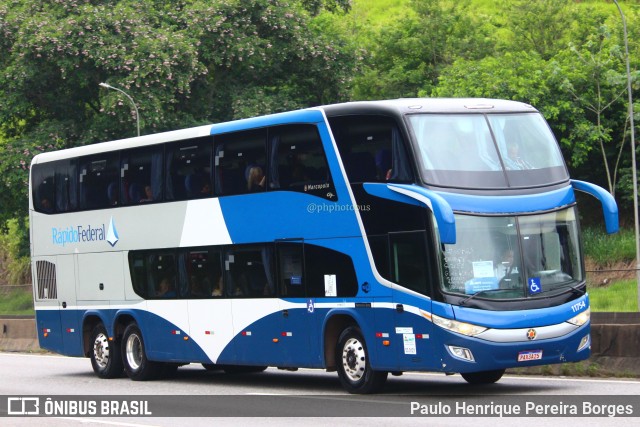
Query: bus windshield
[[493, 150], [524, 256]]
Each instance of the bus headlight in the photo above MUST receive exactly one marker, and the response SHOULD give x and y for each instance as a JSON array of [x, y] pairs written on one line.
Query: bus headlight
[[458, 327], [581, 318]]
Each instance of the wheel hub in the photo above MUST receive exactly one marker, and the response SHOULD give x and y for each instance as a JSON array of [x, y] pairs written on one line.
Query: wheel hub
[[134, 352], [354, 359], [101, 350]]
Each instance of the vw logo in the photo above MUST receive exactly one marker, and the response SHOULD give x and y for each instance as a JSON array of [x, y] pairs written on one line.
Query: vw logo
[[531, 334]]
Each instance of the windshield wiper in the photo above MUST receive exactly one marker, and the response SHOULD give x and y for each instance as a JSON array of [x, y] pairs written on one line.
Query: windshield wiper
[[488, 291], [580, 291]]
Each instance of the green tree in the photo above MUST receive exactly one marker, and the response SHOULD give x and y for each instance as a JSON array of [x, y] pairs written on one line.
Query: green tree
[[409, 56], [594, 78], [184, 63], [538, 26]]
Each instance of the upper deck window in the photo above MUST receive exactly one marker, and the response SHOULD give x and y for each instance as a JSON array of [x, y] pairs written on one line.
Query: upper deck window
[[487, 151], [372, 148], [98, 180]]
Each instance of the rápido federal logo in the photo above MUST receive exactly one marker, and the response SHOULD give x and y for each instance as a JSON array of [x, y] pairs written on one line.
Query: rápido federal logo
[[77, 234]]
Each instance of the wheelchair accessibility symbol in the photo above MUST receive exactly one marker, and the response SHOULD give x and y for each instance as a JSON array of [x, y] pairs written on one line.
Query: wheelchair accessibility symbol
[[534, 285], [310, 306]]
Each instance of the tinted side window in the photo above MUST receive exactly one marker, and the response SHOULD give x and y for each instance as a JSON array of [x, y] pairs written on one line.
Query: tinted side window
[[98, 179], [290, 264], [240, 162], [200, 273], [298, 162], [141, 173], [43, 187], [153, 273], [161, 282], [372, 149], [138, 270], [249, 272], [380, 251], [189, 169], [409, 261], [66, 186], [329, 273]]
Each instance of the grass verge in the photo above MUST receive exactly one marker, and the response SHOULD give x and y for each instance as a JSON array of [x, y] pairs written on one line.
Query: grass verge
[[620, 296], [16, 302]]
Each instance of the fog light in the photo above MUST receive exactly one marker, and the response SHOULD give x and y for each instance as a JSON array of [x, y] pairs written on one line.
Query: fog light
[[584, 342], [461, 353]]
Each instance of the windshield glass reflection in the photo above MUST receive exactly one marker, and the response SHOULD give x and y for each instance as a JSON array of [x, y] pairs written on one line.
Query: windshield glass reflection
[[521, 256], [487, 150]]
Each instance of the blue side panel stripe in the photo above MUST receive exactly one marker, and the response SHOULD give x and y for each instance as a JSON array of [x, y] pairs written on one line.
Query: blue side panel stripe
[[302, 116], [265, 217]]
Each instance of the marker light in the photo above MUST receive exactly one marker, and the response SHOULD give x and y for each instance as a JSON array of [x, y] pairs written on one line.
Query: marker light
[[581, 318], [585, 342], [458, 327]]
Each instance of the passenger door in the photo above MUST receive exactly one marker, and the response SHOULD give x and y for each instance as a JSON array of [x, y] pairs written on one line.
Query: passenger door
[[294, 320], [409, 268]]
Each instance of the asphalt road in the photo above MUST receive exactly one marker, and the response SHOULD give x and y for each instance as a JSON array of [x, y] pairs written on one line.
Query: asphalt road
[[310, 397]]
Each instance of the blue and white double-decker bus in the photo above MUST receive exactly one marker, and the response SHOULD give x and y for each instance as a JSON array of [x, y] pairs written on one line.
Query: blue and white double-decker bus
[[365, 238]]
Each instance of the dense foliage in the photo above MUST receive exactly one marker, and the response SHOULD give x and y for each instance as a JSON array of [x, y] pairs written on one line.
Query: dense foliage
[[189, 62]]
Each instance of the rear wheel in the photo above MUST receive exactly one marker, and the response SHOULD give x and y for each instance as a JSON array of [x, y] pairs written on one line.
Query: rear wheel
[[354, 368], [105, 354], [136, 365], [484, 377]]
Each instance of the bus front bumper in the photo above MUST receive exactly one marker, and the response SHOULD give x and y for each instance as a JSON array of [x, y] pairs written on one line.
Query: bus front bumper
[[463, 354]]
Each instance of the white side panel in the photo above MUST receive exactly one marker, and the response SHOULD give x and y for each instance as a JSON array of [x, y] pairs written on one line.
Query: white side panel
[[210, 322], [204, 224], [101, 270], [174, 311]]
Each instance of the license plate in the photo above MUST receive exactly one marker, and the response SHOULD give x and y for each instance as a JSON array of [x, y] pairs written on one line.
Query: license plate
[[525, 356]]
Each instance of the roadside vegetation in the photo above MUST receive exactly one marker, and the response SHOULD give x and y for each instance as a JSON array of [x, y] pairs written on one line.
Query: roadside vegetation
[[16, 301], [610, 264]]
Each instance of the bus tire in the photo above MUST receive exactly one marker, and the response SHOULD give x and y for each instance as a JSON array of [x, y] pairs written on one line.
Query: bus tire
[[134, 356], [352, 360], [105, 354], [483, 377]]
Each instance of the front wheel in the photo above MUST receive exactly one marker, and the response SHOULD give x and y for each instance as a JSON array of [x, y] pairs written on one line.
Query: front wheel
[[136, 365], [484, 377], [354, 368], [105, 354]]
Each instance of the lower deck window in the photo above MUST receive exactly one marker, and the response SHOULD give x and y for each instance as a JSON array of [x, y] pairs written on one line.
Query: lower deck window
[[288, 270]]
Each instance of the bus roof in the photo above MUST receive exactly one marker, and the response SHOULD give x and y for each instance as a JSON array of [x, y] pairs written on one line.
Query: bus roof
[[393, 107], [429, 105]]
